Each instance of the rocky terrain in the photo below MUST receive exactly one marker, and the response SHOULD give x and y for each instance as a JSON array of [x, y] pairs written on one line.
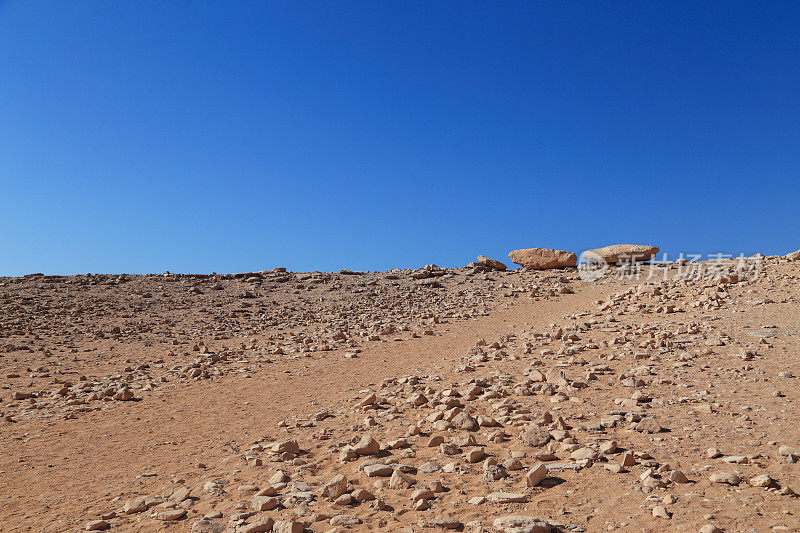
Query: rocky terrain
[[473, 399]]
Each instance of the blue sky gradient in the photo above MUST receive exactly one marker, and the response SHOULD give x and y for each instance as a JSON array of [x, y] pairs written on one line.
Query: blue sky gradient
[[236, 136]]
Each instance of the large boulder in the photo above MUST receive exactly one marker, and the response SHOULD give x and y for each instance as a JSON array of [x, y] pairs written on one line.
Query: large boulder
[[794, 256], [621, 253], [542, 258], [492, 263]]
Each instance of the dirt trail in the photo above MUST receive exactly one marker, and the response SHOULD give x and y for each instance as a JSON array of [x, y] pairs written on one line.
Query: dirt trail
[[75, 465]]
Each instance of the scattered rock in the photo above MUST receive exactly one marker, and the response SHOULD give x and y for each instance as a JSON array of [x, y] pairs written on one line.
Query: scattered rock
[[508, 497], [535, 436], [535, 475], [648, 425], [521, 524], [287, 526], [725, 477]]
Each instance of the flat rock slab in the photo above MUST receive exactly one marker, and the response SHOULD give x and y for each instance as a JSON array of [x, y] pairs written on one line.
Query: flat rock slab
[[543, 258], [521, 524], [508, 497], [620, 253]]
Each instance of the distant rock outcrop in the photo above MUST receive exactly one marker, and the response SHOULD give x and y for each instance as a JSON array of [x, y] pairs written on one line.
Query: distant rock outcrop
[[618, 253], [543, 258]]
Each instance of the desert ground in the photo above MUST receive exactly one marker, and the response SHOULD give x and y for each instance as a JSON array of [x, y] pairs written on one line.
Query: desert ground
[[473, 399]]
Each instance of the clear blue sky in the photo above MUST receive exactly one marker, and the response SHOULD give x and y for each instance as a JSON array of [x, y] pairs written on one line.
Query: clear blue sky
[[143, 136]]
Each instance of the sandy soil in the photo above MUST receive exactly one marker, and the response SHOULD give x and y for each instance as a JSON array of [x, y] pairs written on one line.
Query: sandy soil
[[169, 402]]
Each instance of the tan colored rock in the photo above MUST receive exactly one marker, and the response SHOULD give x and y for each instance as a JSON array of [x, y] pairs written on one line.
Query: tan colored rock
[[335, 487], [584, 453], [264, 503], [475, 454], [521, 524], [363, 495], [785, 450], [171, 515], [725, 477], [260, 525], [619, 253], [648, 425], [279, 477], [535, 475], [608, 446], [440, 523], [400, 480], [180, 495], [508, 497], [535, 436], [543, 258], [794, 256], [345, 520], [287, 526], [367, 446], [206, 525], [134, 505], [676, 476], [713, 453], [290, 446], [422, 494], [659, 511], [492, 263], [377, 470], [344, 500], [761, 481]]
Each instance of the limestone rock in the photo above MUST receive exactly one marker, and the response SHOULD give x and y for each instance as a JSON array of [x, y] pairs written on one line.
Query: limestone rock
[[543, 258], [135, 505], [619, 253], [493, 263], [260, 525], [171, 515], [400, 480], [335, 487], [648, 425], [521, 524], [367, 446], [345, 520], [508, 497], [535, 475], [264, 503], [659, 511], [725, 477], [206, 525], [440, 523], [287, 526], [535, 436], [761, 481]]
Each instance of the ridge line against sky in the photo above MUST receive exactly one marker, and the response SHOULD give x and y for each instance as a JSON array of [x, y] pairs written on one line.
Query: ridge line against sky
[[147, 136]]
